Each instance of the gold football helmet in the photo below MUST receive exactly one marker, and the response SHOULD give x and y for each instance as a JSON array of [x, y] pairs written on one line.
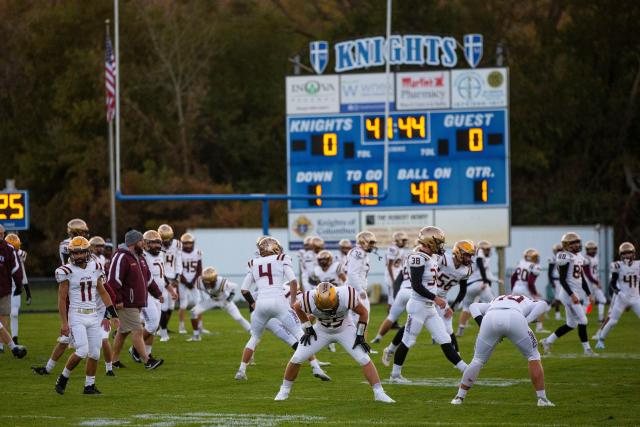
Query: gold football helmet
[[307, 242], [325, 259], [556, 248], [531, 255], [400, 238], [432, 238], [152, 241], [13, 240], [367, 240], [463, 251], [79, 251], [318, 243], [571, 242], [268, 245], [345, 246], [591, 248], [77, 227], [627, 251], [97, 245], [484, 246], [166, 232], [188, 242], [325, 297], [209, 276]]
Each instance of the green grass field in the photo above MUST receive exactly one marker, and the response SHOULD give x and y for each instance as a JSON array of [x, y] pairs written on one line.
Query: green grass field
[[195, 386]]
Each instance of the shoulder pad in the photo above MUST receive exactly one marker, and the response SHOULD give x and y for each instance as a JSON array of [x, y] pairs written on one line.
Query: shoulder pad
[[417, 259], [63, 273]]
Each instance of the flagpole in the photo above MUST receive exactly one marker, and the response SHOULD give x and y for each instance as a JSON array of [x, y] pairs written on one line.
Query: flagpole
[[116, 30], [112, 189]]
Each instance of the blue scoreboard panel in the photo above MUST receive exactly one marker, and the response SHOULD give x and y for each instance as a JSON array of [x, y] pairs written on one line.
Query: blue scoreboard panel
[[437, 158], [14, 210]]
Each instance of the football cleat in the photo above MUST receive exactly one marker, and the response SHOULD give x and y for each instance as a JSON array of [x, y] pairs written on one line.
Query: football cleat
[[600, 345], [376, 340], [457, 400], [110, 373], [252, 361], [205, 331], [590, 353], [241, 376], [596, 337], [134, 355], [383, 397], [182, 330], [319, 373], [283, 394], [61, 384], [546, 346], [543, 401], [324, 363], [118, 364], [91, 389], [40, 370], [386, 356], [164, 339], [194, 338], [542, 331], [372, 351], [19, 351], [398, 379], [153, 363]]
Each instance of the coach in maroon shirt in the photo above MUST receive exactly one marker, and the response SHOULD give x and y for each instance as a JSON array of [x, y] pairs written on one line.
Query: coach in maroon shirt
[[130, 278]]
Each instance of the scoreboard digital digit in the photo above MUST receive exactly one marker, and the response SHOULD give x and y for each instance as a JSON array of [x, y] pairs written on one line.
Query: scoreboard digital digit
[[14, 210]]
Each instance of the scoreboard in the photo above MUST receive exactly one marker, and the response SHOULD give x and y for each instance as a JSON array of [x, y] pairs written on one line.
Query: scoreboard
[[14, 210]]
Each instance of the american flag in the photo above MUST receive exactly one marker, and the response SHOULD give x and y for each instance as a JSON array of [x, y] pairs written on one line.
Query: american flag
[[110, 81]]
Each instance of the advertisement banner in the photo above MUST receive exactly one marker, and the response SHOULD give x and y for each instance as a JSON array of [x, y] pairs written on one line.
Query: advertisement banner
[[331, 226], [423, 90], [313, 94], [384, 223], [365, 92], [481, 88]]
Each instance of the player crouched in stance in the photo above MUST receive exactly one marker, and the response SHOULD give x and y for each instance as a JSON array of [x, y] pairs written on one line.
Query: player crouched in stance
[[625, 275], [218, 293], [330, 305], [506, 316], [82, 281]]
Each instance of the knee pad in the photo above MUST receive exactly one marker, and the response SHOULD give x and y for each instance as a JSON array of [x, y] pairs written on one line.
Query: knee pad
[[408, 339], [535, 355], [82, 351], [364, 359], [194, 315], [296, 359], [253, 343], [477, 362], [94, 353]]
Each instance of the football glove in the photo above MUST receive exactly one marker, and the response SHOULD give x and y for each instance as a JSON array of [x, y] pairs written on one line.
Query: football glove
[[360, 341], [308, 333]]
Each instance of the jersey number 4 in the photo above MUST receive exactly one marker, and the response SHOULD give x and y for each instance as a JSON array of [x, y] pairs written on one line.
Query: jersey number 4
[[86, 285], [267, 273]]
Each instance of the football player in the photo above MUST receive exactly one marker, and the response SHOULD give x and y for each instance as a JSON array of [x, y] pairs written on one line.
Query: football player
[[592, 274], [108, 253], [172, 249], [479, 284], [506, 317], [552, 276], [574, 291], [393, 261], [357, 267], [327, 270], [270, 271], [75, 227], [81, 281], [189, 287], [331, 306], [523, 280], [344, 246], [16, 274], [219, 293], [16, 299], [97, 249], [423, 270], [625, 279], [307, 261]]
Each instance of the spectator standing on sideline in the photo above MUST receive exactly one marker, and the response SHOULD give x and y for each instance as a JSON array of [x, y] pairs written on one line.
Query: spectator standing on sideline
[[130, 278]]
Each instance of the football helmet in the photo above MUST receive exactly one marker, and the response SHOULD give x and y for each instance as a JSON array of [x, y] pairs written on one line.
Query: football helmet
[[79, 251], [571, 242], [591, 248], [556, 248], [209, 277], [367, 240], [13, 240], [97, 245], [400, 238], [325, 297], [325, 259], [531, 255], [268, 245], [627, 251], [188, 242], [166, 232], [77, 227], [307, 242], [345, 246], [484, 246], [152, 241], [462, 251], [317, 243], [432, 238]]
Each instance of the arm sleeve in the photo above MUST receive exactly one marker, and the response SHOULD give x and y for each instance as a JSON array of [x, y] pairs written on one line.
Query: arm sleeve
[[481, 269], [585, 285], [613, 283], [462, 293], [416, 283], [539, 307], [478, 309], [587, 272], [514, 279], [531, 283], [563, 270], [550, 273]]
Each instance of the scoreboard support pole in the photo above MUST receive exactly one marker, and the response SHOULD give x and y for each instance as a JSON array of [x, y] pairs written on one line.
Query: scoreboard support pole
[[501, 269]]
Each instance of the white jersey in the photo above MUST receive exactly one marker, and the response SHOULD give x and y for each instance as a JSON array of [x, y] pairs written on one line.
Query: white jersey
[[357, 269], [574, 275], [341, 258], [307, 261], [347, 300], [63, 251], [476, 275], [450, 276], [156, 267], [191, 263], [269, 273], [331, 275], [628, 277], [429, 276], [221, 290], [551, 262], [395, 255], [83, 284], [524, 270], [594, 265], [519, 303], [173, 259]]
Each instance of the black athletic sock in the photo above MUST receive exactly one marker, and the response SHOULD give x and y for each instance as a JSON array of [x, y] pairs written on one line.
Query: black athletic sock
[[563, 330], [450, 353], [397, 339], [454, 342], [15, 340], [400, 354], [582, 333], [164, 321]]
